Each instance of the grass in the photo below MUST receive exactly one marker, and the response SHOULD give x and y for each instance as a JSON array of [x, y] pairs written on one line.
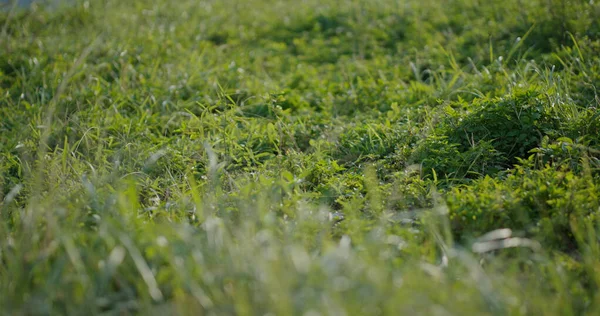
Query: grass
[[281, 158]]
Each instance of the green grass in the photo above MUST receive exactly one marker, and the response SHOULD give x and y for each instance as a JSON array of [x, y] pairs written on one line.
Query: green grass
[[260, 157]]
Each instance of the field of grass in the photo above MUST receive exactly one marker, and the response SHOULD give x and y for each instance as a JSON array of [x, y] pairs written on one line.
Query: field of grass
[[316, 157]]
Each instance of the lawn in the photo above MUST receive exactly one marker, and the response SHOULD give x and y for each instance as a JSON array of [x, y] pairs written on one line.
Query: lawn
[[316, 157]]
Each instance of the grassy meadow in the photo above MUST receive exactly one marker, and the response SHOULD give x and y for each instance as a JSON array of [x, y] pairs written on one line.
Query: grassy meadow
[[316, 157]]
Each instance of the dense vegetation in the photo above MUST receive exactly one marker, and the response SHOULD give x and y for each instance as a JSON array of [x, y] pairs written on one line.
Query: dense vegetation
[[300, 157]]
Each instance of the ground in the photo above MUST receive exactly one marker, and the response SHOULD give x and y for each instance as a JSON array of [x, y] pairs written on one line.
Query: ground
[[300, 158]]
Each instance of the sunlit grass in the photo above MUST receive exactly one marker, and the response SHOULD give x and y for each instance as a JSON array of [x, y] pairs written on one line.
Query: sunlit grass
[[273, 157]]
